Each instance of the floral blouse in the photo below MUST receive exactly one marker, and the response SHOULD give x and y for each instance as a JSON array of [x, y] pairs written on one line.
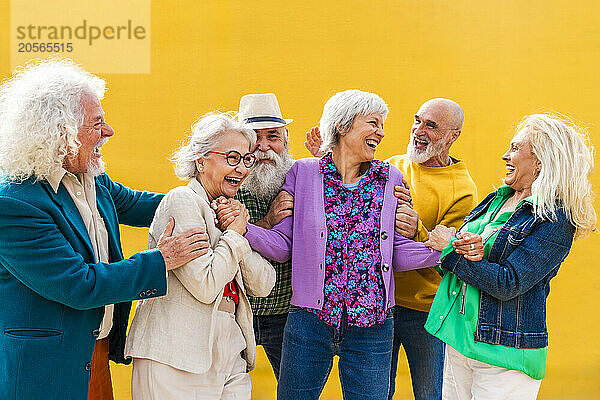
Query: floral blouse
[[353, 279]]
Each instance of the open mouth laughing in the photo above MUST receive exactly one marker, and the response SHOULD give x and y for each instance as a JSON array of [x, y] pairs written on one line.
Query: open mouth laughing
[[372, 143], [420, 143]]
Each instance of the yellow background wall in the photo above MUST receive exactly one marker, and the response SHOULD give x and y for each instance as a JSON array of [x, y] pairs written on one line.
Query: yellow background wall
[[499, 60]]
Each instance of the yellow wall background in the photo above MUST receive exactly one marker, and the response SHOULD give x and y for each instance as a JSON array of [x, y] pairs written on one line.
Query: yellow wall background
[[499, 60]]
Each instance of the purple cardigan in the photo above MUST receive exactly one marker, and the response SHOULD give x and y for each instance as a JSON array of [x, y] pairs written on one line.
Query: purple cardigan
[[303, 236]]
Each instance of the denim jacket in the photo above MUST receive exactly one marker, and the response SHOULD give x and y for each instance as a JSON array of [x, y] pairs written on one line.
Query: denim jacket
[[515, 277]]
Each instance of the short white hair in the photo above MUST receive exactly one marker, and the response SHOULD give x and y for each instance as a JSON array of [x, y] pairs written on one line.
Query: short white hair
[[206, 133], [341, 109], [40, 115], [567, 161]]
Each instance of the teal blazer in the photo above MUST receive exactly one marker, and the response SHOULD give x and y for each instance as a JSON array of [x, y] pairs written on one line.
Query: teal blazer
[[52, 293]]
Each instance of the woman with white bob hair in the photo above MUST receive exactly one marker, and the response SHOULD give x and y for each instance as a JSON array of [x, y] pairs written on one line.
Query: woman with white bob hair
[[490, 308], [343, 246], [197, 342]]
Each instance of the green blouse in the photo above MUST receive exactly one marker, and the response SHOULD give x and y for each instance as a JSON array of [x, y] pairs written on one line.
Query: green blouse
[[453, 315]]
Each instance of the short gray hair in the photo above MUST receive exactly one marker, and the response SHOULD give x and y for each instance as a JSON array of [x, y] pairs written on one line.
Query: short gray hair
[[40, 115], [341, 109], [206, 133]]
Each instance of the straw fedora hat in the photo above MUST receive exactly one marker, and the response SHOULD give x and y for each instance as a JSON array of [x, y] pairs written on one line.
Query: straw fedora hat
[[260, 111]]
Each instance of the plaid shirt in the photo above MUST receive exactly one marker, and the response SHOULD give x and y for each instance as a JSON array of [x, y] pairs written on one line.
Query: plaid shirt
[[278, 302]]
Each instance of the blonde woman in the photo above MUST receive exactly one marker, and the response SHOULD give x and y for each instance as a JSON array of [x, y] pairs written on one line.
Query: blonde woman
[[490, 309], [197, 342]]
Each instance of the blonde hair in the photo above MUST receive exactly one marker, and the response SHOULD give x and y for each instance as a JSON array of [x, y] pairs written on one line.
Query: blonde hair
[[567, 161], [40, 116]]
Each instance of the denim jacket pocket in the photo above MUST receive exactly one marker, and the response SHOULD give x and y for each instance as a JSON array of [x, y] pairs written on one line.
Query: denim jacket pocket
[[488, 308], [515, 237]]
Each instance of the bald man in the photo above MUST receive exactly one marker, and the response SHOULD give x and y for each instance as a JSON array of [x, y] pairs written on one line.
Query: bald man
[[442, 193]]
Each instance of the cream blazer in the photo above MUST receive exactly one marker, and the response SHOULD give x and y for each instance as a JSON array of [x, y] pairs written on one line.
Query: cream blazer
[[177, 329]]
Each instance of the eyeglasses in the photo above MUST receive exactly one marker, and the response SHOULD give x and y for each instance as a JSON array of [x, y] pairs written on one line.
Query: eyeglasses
[[233, 158]]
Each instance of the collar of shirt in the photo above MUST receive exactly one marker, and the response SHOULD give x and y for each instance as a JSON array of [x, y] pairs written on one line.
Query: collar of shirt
[[57, 177], [377, 169], [507, 191]]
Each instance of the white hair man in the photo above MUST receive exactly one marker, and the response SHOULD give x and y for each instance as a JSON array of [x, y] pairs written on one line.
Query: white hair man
[[65, 288], [442, 193], [260, 194]]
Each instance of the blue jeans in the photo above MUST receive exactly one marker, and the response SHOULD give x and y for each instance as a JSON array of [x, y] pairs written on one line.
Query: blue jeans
[[425, 354], [268, 331], [309, 344]]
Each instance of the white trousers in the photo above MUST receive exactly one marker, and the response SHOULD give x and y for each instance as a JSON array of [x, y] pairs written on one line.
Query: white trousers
[[226, 379], [468, 379]]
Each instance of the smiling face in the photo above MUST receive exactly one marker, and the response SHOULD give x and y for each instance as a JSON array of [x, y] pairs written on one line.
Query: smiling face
[[270, 139], [364, 136], [92, 135], [522, 165], [217, 177], [433, 131], [273, 161]]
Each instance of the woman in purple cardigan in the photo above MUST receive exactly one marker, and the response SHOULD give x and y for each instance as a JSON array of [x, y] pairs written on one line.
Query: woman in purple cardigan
[[343, 246]]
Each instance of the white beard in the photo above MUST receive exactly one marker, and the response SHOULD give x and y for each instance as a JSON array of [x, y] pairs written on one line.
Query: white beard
[[265, 179], [96, 169], [420, 156]]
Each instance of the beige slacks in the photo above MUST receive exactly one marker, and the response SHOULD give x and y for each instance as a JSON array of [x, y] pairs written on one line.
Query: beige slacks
[[469, 379], [226, 378]]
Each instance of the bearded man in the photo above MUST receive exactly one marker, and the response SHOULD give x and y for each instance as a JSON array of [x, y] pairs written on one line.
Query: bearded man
[[442, 193], [260, 194]]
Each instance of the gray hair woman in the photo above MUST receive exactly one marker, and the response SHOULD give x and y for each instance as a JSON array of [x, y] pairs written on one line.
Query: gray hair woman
[[342, 243], [197, 341], [490, 308]]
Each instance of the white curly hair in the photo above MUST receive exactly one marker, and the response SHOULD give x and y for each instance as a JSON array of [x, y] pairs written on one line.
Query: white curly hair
[[40, 115]]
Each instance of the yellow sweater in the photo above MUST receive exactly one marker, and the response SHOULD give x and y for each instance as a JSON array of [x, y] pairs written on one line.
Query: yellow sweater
[[441, 195]]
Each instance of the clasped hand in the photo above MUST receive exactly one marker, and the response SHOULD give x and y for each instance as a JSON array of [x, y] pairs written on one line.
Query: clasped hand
[[470, 245], [231, 214]]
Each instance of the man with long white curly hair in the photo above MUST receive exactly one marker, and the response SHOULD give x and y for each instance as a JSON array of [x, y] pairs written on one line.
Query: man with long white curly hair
[[65, 287]]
